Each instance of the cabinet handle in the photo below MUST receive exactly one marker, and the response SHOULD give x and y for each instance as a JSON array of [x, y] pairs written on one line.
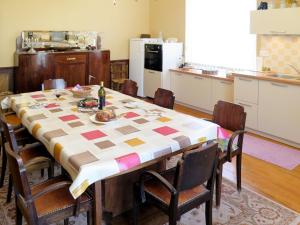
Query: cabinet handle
[[245, 79], [151, 71], [178, 74], [90, 78], [71, 58], [246, 105], [278, 85], [152, 51], [224, 82], [199, 78], [278, 32]]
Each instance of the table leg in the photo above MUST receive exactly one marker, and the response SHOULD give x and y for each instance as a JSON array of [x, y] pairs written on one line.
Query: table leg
[[97, 203]]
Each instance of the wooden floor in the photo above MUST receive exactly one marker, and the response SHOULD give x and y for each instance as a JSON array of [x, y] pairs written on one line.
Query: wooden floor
[[279, 184]]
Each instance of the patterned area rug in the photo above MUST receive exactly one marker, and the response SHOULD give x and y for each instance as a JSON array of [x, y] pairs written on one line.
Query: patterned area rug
[[245, 208]]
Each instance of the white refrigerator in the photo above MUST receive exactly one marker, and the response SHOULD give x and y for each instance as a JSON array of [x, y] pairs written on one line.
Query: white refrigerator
[[136, 61]]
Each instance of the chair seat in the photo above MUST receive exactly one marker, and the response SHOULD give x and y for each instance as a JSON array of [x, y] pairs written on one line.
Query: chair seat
[[57, 200], [30, 154], [119, 80], [157, 190], [13, 119], [223, 144]]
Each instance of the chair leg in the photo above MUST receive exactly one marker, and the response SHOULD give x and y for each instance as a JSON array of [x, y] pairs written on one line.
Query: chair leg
[[42, 172], [51, 170], [66, 221], [208, 212], [3, 169], [19, 216], [172, 220], [219, 184], [239, 172], [9, 191], [89, 217], [136, 203]]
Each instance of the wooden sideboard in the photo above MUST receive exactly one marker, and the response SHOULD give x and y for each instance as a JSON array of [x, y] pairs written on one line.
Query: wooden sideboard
[[75, 67]]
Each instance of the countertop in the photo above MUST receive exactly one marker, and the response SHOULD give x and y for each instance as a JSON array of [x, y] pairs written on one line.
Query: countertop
[[266, 76], [199, 73], [247, 74]]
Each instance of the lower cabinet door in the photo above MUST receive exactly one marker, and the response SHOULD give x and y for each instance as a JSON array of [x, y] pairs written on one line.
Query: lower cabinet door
[[222, 90], [71, 68], [199, 91], [279, 110], [152, 81], [251, 110]]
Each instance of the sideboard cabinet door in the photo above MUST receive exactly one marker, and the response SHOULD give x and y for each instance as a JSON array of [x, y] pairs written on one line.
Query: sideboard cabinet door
[[72, 68]]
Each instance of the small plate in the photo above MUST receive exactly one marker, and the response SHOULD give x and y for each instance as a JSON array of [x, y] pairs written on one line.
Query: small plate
[[131, 105], [93, 119]]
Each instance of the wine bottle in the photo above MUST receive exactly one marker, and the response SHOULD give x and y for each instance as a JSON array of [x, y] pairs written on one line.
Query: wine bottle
[[101, 96]]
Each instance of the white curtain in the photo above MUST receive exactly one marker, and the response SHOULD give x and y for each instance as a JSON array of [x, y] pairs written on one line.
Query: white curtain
[[218, 33]]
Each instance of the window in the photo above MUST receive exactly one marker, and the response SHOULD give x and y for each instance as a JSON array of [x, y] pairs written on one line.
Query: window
[[218, 33]]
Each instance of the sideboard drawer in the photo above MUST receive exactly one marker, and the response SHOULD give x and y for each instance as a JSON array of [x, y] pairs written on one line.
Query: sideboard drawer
[[72, 58]]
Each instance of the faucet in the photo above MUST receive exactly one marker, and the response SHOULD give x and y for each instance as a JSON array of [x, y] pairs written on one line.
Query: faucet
[[295, 69]]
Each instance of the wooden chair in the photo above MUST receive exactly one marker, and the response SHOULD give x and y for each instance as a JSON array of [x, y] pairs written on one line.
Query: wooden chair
[[230, 117], [130, 88], [23, 137], [119, 73], [34, 156], [47, 202], [54, 84], [178, 190], [164, 98]]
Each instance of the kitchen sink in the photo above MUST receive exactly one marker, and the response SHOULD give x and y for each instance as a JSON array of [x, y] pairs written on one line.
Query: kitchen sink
[[284, 76]]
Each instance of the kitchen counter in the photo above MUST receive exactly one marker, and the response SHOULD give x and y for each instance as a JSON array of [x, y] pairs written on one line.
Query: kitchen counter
[[267, 76], [199, 73]]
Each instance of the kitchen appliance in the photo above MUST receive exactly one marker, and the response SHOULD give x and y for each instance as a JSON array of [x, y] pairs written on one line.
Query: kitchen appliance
[[153, 57], [136, 61], [159, 58]]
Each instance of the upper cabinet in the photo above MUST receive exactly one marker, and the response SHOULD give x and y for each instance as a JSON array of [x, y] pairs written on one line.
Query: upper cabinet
[[275, 21]]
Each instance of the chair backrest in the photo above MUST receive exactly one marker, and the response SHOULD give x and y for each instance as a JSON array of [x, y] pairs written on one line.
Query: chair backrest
[[164, 98], [119, 70], [21, 186], [9, 134], [54, 84], [229, 116], [130, 88], [197, 167]]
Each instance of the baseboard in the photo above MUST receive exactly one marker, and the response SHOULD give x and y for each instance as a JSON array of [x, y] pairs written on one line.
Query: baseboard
[[7, 70], [275, 138]]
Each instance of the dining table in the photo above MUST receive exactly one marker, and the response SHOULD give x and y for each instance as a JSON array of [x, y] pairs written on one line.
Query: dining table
[[90, 150]]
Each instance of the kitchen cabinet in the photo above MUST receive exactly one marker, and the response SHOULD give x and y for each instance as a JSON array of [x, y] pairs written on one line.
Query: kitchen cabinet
[[86, 67], [246, 95], [251, 110], [246, 89], [199, 91], [279, 110], [71, 67], [179, 82], [221, 90], [275, 21], [192, 90], [152, 81]]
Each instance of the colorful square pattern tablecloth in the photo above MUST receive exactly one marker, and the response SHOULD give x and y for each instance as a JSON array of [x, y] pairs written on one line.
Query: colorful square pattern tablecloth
[[91, 152]]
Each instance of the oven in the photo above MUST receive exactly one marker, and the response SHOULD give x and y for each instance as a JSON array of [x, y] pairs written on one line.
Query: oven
[[153, 57]]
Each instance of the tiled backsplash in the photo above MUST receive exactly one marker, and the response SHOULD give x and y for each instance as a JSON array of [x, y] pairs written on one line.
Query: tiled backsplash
[[281, 51]]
